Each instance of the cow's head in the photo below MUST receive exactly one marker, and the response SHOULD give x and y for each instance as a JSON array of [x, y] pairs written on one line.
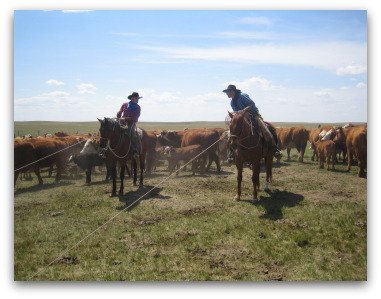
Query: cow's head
[[168, 151], [340, 136]]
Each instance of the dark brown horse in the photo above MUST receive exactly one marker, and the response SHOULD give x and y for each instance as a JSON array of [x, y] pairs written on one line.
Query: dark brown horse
[[249, 148], [117, 141]]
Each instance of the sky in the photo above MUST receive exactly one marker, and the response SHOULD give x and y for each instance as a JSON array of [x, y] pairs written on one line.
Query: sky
[[297, 66]]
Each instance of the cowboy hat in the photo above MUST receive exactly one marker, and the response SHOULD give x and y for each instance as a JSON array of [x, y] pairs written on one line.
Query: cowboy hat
[[231, 87], [134, 95]]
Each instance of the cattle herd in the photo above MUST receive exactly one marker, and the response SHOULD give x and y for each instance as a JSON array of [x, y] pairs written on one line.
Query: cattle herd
[[63, 152]]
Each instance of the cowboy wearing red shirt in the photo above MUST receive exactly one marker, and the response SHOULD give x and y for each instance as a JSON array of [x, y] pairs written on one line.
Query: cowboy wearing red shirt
[[130, 113]]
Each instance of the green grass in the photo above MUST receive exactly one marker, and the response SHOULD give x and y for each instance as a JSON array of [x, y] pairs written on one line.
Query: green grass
[[313, 226]]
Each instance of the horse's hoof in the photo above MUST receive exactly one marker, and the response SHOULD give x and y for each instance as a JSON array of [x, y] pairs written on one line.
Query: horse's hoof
[[237, 198], [112, 194], [135, 184]]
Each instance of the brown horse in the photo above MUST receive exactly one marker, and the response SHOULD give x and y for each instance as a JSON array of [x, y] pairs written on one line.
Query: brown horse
[[249, 148], [117, 141]]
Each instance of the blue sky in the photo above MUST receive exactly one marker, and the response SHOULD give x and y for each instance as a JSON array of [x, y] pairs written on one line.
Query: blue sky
[[306, 66]]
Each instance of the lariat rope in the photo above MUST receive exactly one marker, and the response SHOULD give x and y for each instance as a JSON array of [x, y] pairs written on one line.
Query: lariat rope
[[125, 208]]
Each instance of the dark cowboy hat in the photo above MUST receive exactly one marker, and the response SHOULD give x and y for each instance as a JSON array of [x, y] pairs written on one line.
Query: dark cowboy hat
[[133, 95], [231, 87]]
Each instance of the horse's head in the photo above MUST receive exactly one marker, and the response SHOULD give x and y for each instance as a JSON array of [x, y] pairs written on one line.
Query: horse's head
[[238, 121], [106, 130]]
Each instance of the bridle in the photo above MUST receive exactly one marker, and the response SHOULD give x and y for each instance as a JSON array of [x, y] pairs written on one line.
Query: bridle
[[239, 138], [121, 134]]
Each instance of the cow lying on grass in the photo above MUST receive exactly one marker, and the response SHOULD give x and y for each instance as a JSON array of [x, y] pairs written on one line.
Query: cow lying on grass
[[185, 154]]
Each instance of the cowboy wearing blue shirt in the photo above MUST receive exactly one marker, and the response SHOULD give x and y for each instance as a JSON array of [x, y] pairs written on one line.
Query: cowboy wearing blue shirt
[[240, 101]]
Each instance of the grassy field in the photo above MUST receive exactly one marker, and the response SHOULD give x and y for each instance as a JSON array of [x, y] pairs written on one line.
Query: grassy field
[[312, 226], [42, 127]]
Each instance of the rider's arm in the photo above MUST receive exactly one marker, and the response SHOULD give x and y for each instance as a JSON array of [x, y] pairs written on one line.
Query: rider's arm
[[119, 114]]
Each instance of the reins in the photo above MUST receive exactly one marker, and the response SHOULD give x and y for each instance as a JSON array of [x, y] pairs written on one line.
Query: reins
[[121, 135], [243, 138]]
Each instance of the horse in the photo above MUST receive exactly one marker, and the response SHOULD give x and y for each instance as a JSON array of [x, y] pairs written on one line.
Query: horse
[[117, 142], [249, 148]]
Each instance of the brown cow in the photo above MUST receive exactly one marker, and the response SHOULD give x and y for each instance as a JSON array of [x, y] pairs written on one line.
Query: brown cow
[[355, 139], [294, 137], [45, 152], [149, 143], [205, 138], [326, 152], [315, 136], [185, 154], [23, 158], [171, 138]]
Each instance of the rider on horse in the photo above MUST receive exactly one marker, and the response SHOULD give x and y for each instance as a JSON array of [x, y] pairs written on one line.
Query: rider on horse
[[129, 113], [240, 101]]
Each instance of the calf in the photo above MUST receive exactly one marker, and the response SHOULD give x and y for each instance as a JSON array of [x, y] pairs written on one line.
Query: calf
[[315, 135], [208, 140], [186, 153], [88, 158], [326, 152]]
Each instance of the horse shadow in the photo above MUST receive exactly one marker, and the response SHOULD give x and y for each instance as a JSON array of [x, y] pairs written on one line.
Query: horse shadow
[[44, 186], [274, 203], [132, 198]]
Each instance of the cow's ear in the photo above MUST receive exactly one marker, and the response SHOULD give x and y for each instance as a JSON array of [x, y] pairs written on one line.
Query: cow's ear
[[230, 114]]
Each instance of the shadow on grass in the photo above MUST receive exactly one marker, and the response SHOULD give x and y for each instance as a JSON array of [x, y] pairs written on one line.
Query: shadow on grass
[[274, 203], [130, 199], [45, 186]]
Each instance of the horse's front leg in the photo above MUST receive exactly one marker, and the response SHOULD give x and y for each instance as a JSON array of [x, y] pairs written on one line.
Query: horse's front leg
[[122, 169], [239, 166], [134, 169], [142, 167], [255, 178], [269, 173], [113, 177]]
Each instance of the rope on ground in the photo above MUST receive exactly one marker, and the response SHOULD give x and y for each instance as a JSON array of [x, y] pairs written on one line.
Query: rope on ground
[[117, 214], [49, 155]]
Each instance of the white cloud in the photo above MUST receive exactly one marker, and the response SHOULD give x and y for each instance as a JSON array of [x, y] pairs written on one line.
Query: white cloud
[[84, 88], [158, 97], [330, 55], [351, 70], [251, 82], [263, 21], [325, 93], [54, 82], [361, 85]]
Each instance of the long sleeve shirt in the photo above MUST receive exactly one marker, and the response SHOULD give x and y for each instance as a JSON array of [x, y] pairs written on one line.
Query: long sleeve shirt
[[241, 101], [129, 109]]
